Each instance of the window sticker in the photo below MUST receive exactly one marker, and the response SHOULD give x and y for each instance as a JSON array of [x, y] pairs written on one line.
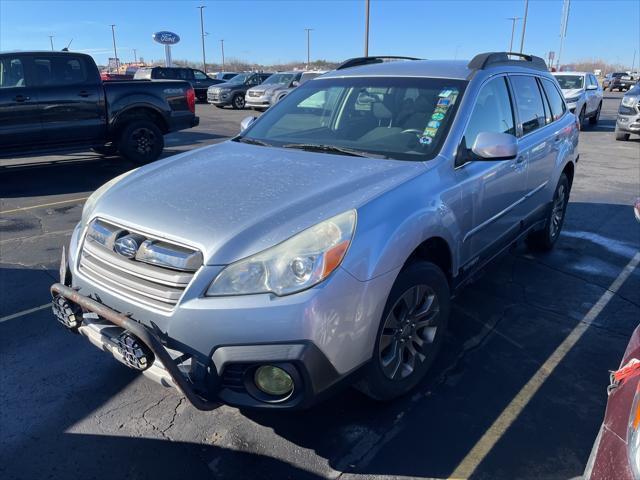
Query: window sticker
[[446, 98], [424, 140], [437, 116], [430, 132], [444, 102], [433, 124]]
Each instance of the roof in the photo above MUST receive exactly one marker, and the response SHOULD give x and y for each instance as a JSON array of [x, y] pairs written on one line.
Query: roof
[[456, 69]]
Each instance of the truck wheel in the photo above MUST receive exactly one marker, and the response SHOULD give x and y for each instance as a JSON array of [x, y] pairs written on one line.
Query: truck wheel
[[141, 142], [106, 150], [622, 136], [238, 101], [593, 120], [410, 333], [543, 240]]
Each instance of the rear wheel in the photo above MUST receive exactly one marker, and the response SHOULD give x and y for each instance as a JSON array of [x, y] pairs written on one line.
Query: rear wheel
[[593, 120], [545, 239], [141, 142], [581, 117], [238, 102], [410, 333]]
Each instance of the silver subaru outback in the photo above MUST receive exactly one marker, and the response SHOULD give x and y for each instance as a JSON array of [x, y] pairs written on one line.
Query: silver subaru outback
[[322, 245]]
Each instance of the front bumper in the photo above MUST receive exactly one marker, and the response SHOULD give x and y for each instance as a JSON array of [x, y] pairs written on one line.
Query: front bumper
[[220, 99], [628, 123], [257, 102]]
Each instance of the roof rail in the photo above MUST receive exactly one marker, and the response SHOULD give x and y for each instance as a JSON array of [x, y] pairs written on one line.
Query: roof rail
[[486, 60], [358, 61]]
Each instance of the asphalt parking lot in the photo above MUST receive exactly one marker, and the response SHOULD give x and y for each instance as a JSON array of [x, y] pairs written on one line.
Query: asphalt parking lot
[[518, 392]]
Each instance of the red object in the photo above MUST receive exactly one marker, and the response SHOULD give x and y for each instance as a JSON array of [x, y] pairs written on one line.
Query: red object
[[191, 100], [610, 457]]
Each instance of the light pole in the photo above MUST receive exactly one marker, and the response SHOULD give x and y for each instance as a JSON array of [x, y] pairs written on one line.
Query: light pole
[[51, 41], [135, 56], [222, 48], [524, 24], [566, 6], [204, 61], [633, 62], [366, 28], [513, 30], [113, 37], [308, 30]]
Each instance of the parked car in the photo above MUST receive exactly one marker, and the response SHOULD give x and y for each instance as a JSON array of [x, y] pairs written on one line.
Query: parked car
[[628, 121], [110, 77], [224, 76], [616, 451], [233, 92], [582, 93], [617, 80], [323, 244], [275, 88], [56, 101], [197, 78]]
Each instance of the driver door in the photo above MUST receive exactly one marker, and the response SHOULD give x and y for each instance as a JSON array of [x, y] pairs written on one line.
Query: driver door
[[491, 190]]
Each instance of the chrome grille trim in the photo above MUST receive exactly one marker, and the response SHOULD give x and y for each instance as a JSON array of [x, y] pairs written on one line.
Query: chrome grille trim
[[152, 285]]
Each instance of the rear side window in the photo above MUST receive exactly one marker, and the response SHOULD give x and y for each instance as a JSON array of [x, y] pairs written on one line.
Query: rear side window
[[60, 71], [199, 75], [164, 74], [11, 73], [492, 112], [555, 99], [142, 74], [528, 102]]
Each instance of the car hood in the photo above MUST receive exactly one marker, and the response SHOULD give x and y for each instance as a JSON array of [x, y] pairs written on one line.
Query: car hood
[[572, 92], [233, 200], [269, 88]]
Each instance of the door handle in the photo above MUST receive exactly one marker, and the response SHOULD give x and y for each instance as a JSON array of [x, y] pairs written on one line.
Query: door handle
[[557, 139], [517, 163], [83, 93], [22, 98]]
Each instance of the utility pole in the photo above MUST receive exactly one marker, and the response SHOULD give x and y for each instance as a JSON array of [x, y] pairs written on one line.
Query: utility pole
[[222, 48], [566, 5], [633, 63], [524, 24], [366, 28], [308, 30], [115, 52], [204, 61], [513, 30], [135, 56], [51, 41]]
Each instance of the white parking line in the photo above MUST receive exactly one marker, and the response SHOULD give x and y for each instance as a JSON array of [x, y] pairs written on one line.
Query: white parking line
[[24, 312], [81, 199], [481, 449]]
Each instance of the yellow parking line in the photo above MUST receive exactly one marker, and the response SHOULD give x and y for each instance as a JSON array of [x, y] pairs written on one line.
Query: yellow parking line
[[481, 449], [43, 205], [25, 312]]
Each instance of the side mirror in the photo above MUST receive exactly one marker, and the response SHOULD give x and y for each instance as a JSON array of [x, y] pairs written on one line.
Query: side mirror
[[495, 146], [295, 83], [246, 123], [592, 87]]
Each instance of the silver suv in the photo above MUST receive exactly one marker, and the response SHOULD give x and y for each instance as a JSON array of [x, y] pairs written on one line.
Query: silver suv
[[323, 244]]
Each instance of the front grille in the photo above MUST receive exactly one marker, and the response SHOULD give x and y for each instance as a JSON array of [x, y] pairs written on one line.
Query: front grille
[[150, 284], [255, 94]]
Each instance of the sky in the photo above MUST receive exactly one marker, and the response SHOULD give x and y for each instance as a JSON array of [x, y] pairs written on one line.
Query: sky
[[269, 32]]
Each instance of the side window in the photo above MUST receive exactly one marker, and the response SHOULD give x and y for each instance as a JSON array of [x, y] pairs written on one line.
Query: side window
[[528, 102], [44, 71], [492, 112], [555, 99], [60, 71], [11, 73], [199, 75]]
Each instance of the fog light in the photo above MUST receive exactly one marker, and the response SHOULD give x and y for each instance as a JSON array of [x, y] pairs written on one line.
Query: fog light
[[133, 352], [273, 380], [67, 313]]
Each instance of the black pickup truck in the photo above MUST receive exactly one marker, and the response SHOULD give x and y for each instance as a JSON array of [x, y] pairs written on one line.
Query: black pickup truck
[[55, 101]]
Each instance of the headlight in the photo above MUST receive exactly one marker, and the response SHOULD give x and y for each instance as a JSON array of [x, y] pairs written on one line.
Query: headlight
[[573, 99], [91, 202], [296, 264], [224, 90], [630, 100]]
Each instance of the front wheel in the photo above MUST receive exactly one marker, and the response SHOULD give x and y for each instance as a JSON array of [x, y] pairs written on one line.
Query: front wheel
[[238, 102], [581, 117], [593, 120], [410, 333], [545, 239], [622, 136], [141, 142]]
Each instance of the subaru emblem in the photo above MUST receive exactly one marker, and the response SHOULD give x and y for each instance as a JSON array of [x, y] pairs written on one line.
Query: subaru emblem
[[128, 245]]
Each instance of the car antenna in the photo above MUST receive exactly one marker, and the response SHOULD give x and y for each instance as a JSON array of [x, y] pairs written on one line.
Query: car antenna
[[66, 49]]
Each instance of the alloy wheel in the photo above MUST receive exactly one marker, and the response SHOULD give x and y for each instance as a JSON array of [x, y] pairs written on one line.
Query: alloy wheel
[[408, 332], [143, 140], [557, 212]]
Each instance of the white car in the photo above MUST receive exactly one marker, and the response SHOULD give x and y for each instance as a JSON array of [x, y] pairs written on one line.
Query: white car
[[582, 93]]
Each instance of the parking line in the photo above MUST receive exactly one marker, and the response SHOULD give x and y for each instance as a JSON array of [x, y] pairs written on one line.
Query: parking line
[[25, 312], [43, 205], [481, 449]]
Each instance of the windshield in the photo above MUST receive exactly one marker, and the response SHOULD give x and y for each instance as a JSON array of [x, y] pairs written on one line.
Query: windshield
[[569, 82], [400, 118], [240, 78], [280, 79]]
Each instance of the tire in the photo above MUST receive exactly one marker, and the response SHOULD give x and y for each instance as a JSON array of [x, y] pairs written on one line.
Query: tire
[[219, 106], [544, 240], [593, 120], [390, 374], [622, 136], [238, 102], [106, 150], [141, 141], [581, 117]]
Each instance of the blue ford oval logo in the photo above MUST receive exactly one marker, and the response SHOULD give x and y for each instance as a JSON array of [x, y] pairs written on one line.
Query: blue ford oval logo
[[128, 245], [166, 38]]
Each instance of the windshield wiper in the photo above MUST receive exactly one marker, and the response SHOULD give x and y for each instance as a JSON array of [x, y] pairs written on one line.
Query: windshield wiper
[[251, 141], [312, 147]]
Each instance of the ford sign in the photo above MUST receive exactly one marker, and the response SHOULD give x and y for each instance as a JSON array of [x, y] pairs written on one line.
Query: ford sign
[[166, 38]]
